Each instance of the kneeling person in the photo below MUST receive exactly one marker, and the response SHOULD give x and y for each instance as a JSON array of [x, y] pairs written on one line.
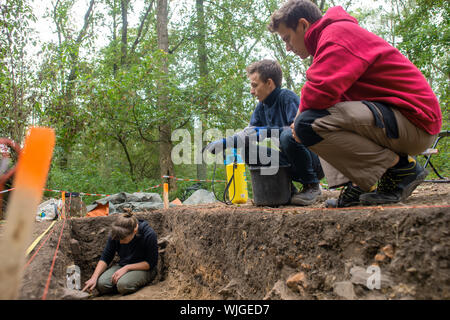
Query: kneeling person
[[136, 243]]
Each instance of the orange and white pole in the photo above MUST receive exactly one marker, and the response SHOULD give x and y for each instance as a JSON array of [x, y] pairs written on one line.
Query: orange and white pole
[[30, 177], [166, 195]]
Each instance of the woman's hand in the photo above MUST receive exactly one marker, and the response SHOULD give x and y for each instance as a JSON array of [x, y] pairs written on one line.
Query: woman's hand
[[90, 284], [118, 274]]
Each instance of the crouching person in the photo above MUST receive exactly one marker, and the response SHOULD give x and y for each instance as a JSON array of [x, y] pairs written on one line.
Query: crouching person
[[136, 244], [365, 108]]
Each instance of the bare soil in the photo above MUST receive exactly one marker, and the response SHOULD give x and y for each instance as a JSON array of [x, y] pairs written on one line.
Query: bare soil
[[246, 252]]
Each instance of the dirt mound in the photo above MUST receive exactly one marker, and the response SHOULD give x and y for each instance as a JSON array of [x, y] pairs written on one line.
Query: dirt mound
[[222, 252]]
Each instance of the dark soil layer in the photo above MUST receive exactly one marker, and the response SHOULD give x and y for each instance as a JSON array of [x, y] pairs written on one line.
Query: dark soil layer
[[222, 252]]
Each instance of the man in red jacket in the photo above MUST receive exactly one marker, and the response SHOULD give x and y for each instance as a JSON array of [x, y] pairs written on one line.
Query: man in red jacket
[[365, 109]]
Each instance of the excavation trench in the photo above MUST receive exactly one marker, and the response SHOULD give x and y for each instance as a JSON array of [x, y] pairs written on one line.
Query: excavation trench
[[221, 252]]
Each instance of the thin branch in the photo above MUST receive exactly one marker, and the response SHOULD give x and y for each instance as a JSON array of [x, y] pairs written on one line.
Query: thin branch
[[138, 127], [125, 149], [179, 44], [184, 123], [82, 33], [86, 22], [141, 26]]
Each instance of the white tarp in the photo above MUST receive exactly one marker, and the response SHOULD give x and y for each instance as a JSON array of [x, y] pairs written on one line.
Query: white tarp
[[48, 210]]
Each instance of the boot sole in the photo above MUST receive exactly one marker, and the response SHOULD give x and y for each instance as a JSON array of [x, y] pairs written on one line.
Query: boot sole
[[303, 202], [333, 203], [413, 185], [367, 200]]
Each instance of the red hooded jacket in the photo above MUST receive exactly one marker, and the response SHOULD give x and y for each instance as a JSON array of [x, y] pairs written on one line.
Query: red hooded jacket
[[353, 64]]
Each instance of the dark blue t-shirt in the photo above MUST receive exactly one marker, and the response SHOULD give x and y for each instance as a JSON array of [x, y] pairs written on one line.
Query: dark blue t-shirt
[[277, 110], [143, 247]]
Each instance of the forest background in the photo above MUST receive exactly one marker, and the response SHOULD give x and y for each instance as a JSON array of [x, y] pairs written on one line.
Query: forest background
[[116, 78]]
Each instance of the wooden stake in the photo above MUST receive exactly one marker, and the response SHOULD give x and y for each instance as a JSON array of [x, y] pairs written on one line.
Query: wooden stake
[[63, 208], [166, 195], [29, 181]]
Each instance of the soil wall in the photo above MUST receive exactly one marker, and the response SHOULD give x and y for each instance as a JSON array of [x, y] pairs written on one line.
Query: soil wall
[[223, 252]]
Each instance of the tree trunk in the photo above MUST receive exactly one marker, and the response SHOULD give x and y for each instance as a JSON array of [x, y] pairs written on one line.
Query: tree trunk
[[114, 36], [203, 75], [165, 130], [67, 106], [123, 48]]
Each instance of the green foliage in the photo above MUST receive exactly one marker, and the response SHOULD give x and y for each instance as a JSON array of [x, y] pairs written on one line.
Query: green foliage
[[420, 29], [15, 68], [104, 105]]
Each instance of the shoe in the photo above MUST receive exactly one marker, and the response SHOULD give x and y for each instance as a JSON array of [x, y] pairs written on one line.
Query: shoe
[[307, 196], [397, 184], [348, 197]]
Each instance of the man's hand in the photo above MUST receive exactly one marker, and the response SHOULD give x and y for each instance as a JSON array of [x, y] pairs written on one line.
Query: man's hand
[[118, 274], [251, 131], [90, 284], [293, 133]]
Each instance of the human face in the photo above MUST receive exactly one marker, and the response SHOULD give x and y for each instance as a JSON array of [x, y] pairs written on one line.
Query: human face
[[295, 39], [259, 88]]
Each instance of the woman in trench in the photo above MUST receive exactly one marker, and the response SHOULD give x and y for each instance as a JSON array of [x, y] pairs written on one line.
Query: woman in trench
[[136, 244]]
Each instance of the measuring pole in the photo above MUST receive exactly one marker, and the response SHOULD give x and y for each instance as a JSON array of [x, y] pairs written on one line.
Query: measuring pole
[[166, 195], [31, 174]]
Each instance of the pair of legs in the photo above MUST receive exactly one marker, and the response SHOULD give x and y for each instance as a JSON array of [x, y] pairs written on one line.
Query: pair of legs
[[130, 282], [353, 141]]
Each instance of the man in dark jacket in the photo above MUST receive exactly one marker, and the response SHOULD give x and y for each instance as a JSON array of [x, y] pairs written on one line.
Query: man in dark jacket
[[276, 109], [365, 108], [274, 113]]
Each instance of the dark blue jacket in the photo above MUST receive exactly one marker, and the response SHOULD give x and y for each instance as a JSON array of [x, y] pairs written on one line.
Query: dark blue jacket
[[143, 247], [277, 110]]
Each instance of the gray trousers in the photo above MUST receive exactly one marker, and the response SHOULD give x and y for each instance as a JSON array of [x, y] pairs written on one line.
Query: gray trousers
[[352, 148], [130, 282]]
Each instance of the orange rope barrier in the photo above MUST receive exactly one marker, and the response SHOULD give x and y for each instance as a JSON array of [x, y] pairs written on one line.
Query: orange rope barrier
[[39, 248], [47, 285], [44, 296]]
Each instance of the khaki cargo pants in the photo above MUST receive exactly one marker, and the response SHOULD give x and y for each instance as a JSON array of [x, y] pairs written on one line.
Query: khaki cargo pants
[[352, 147]]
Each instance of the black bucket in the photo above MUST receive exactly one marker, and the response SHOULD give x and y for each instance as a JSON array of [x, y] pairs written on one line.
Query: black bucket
[[270, 188]]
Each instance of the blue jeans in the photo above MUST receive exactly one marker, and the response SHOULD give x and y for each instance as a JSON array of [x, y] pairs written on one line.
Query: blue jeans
[[304, 164]]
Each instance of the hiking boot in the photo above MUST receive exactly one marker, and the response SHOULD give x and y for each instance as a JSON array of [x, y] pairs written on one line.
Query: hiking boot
[[307, 196], [397, 184], [348, 197]]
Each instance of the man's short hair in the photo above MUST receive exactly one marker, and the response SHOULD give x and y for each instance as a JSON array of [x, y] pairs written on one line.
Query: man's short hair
[[267, 69], [292, 11]]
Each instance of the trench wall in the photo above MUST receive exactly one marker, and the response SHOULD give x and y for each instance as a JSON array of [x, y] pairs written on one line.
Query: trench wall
[[238, 253]]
